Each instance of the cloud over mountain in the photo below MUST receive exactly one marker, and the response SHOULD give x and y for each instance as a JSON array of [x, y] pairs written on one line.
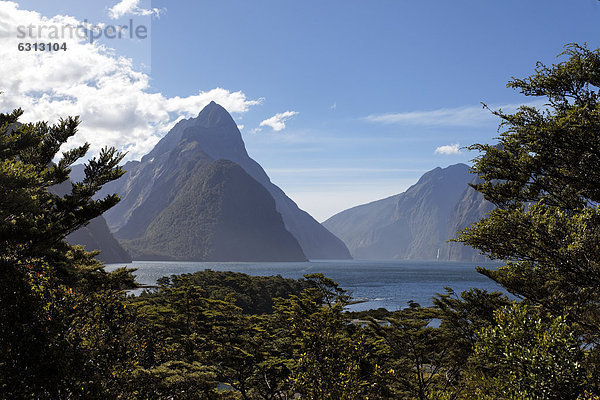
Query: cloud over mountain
[[113, 99]]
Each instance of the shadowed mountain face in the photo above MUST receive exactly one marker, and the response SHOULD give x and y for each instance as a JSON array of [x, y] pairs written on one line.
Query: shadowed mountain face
[[151, 185], [219, 214], [417, 223], [97, 236]]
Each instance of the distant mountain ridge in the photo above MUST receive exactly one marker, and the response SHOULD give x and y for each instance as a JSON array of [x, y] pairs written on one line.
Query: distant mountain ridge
[[152, 185], [418, 223]]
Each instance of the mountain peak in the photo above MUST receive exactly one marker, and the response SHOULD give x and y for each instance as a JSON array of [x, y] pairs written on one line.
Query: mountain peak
[[213, 106], [213, 134], [213, 128], [214, 115], [449, 172], [417, 223]]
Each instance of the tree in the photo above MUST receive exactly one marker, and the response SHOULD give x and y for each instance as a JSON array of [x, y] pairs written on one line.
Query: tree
[[219, 328], [63, 329], [526, 355], [417, 352], [544, 177], [34, 220], [327, 357], [462, 319]]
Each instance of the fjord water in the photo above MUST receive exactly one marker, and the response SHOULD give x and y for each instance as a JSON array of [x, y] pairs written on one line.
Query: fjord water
[[387, 284]]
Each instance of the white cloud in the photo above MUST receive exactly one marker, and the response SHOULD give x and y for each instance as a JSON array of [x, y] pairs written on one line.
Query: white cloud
[[112, 98], [460, 116], [132, 7], [448, 149], [277, 122]]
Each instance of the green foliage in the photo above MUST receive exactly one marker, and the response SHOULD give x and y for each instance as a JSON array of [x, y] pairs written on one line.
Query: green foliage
[[301, 345], [526, 356], [416, 352], [253, 294], [185, 326], [588, 396], [331, 359], [543, 176], [548, 155], [462, 318], [34, 220], [64, 332], [173, 380]]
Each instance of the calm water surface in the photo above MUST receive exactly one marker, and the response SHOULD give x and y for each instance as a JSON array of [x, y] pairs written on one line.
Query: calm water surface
[[388, 284]]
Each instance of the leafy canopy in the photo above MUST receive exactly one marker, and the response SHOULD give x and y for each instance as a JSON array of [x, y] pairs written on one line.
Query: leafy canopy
[[544, 177]]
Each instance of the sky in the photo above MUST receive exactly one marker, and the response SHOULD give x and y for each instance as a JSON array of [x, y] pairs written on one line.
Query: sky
[[342, 102]]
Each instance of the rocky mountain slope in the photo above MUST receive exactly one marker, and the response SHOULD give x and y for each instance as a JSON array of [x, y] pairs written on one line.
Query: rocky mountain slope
[[415, 224], [150, 186], [219, 214]]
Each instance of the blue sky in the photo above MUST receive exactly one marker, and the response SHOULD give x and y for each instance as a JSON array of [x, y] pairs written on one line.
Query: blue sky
[[370, 89]]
